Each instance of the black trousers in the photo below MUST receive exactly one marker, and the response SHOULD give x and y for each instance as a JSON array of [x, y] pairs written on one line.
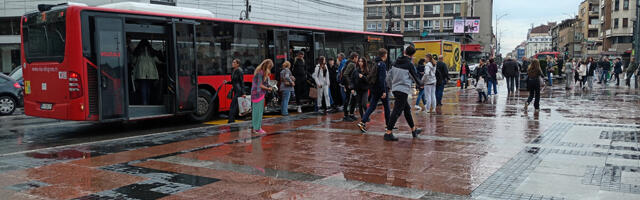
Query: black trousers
[[361, 100], [617, 76], [534, 92], [511, 83], [350, 102], [301, 89], [233, 110], [400, 105]]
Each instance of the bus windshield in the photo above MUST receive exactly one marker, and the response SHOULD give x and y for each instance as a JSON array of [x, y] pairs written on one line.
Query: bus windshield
[[44, 36]]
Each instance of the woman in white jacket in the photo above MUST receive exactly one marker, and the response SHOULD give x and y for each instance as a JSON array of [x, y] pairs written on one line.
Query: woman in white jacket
[[321, 76], [582, 73], [429, 80]]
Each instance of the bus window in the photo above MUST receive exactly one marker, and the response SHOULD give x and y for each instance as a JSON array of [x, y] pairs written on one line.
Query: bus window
[[44, 37], [208, 50]]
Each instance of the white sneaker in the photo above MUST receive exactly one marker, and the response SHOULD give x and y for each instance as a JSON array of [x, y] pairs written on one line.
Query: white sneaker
[[417, 108]]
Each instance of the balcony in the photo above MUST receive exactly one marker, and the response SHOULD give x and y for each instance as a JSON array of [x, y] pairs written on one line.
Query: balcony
[[593, 26], [594, 13]]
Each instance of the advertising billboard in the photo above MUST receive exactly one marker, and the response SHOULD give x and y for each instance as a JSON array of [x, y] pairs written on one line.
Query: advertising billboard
[[470, 25]]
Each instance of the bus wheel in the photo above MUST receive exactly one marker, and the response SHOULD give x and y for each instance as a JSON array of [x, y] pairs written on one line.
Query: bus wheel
[[204, 108]]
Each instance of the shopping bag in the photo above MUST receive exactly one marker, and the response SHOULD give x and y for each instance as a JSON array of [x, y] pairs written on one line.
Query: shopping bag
[[244, 105], [313, 93], [458, 83]]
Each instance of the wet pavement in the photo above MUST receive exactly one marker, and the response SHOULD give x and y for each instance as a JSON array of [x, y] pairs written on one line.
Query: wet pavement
[[581, 145]]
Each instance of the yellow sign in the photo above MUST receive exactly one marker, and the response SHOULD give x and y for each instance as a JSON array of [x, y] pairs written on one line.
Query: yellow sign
[[27, 87]]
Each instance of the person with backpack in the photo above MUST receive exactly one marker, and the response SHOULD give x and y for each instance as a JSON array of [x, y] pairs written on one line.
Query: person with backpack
[[400, 78], [321, 77], [349, 103], [429, 79], [378, 75]]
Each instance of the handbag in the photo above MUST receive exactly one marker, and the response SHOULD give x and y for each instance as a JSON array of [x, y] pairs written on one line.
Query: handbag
[[244, 105], [313, 93]]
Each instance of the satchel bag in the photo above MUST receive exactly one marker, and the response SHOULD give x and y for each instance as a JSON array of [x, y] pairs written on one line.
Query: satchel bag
[[313, 93]]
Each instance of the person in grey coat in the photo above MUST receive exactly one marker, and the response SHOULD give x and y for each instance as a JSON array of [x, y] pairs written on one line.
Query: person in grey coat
[[400, 78], [569, 72]]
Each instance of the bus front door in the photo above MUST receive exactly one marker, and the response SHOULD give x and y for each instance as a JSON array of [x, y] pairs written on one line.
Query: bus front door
[[184, 67], [109, 43]]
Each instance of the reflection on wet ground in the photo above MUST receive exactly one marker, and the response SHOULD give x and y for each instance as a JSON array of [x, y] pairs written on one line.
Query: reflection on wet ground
[[580, 144]]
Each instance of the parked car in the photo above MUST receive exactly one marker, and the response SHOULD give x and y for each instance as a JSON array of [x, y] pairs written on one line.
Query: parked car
[[10, 95], [16, 74]]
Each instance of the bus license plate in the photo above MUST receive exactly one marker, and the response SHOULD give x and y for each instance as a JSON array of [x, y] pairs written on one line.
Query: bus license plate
[[46, 106]]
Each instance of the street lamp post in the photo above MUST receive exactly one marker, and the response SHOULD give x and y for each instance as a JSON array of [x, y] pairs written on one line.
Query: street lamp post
[[497, 37]]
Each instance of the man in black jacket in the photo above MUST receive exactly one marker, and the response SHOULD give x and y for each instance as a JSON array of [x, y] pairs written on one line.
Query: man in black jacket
[[442, 77], [510, 72]]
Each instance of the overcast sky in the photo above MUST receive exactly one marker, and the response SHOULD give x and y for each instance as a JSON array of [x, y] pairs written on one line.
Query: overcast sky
[[521, 14]]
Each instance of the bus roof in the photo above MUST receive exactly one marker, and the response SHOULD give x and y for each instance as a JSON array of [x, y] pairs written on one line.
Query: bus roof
[[80, 7]]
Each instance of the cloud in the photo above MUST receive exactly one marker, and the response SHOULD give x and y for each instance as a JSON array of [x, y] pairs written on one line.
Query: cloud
[[523, 13]]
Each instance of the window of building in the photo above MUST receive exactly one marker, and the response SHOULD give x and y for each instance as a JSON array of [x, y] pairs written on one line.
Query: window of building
[[379, 26], [164, 2], [448, 8], [372, 26], [410, 25], [615, 23], [625, 5], [409, 10], [625, 22], [448, 24], [429, 9], [616, 7], [428, 24], [594, 21], [374, 11], [436, 24], [456, 8], [395, 10]]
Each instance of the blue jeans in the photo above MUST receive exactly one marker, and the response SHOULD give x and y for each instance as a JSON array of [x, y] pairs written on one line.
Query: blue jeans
[[286, 95], [550, 77], [374, 103], [421, 97], [439, 93], [463, 81], [145, 90], [603, 76], [491, 83]]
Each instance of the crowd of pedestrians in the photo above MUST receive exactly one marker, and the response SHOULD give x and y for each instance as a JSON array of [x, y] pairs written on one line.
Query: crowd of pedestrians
[[355, 82]]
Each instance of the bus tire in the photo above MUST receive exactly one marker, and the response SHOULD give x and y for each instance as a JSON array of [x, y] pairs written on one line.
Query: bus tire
[[203, 100]]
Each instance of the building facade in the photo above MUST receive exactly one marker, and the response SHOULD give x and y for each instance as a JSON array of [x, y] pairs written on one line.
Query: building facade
[[431, 20], [567, 37], [617, 29], [589, 16], [326, 14], [539, 39]]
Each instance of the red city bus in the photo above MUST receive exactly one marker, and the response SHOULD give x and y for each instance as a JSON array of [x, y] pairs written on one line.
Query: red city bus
[[543, 55], [78, 60]]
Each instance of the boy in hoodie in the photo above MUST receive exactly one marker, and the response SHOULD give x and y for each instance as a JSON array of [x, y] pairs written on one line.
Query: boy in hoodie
[[400, 78], [378, 91]]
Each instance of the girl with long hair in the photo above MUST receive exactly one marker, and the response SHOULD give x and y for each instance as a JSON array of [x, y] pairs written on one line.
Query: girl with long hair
[[534, 79], [429, 80], [361, 85], [321, 76], [259, 87], [287, 82]]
